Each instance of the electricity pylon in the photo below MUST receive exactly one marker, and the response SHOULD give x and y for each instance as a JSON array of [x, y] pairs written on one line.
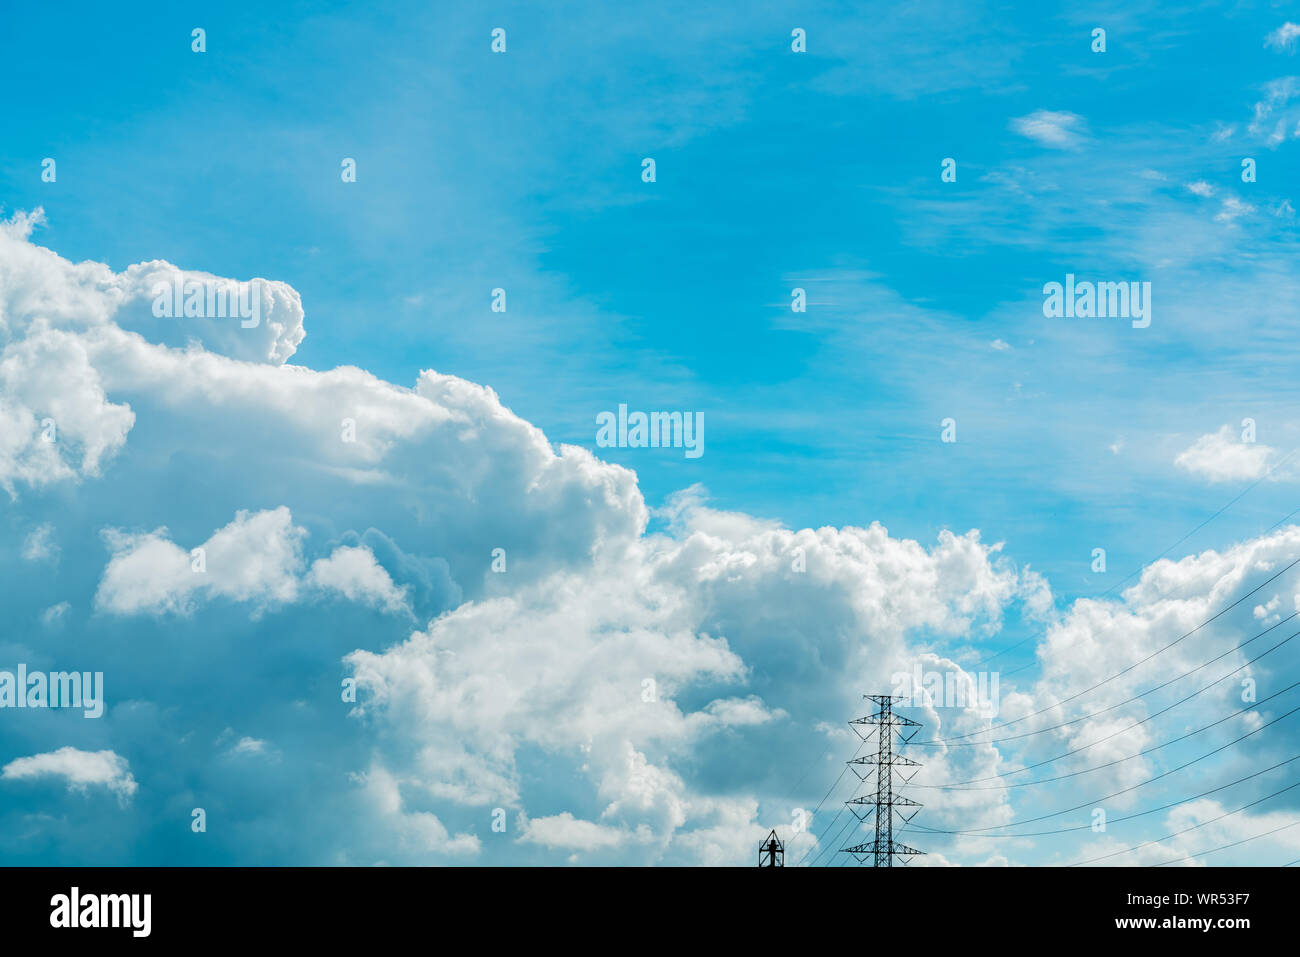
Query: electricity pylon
[[884, 801]]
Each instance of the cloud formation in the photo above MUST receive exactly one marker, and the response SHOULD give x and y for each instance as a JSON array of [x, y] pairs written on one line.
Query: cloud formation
[[80, 769], [1222, 457], [1058, 129], [1284, 37], [623, 658]]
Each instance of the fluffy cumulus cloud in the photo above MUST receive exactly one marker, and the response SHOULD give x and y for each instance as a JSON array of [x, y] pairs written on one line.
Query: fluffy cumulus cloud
[[80, 770], [566, 832], [56, 422], [600, 666], [417, 832], [256, 559], [457, 623], [47, 290], [1204, 640], [353, 573], [1223, 457]]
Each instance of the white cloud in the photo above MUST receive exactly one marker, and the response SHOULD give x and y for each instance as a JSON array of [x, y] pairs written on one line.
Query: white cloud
[[81, 769], [256, 558], [737, 712], [1201, 188], [1201, 826], [1271, 121], [1096, 641], [54, 616], [353, 573], [1221, 457], [39, 545], [565, 832], [44, 288], [1233, 209], [416, 833], [1059, 130], [556, 654], [561, 665], [245, 746], [554, 657], [1284, 37], [56, 422]]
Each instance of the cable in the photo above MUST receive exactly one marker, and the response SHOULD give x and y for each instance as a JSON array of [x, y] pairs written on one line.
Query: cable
[[1219, 614], [830, 845], [819, 846], [1224, 847], [1093, 860], [1061, 777], [956, 786], [789, 794], [1136, 697], [833, 786], [1160, 556], [978, 832], [1280, 521]]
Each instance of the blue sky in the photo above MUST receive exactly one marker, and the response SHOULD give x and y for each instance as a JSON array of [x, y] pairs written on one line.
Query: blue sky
[[522, 170]]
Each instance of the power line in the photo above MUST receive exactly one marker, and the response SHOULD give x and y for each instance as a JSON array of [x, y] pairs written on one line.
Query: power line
[[1061, 777], [1151, 717], [1157, 840], [1124, 671], [1141, 784], [1128, 817], [1281, 520], [843, 771], [1224, 847], [830, 845], [1160, 556], [1136, 697], [819, 847]]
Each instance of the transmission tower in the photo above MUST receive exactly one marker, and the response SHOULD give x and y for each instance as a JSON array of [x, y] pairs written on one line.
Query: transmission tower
[[884, 801], [771, 853]]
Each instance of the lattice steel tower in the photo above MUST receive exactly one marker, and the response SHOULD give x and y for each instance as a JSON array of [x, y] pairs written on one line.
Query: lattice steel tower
[[884, 800]]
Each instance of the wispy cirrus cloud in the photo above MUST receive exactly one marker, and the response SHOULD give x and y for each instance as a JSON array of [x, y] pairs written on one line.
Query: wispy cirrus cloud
[[1056, 129], [1271, 119], [1284, 37]]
